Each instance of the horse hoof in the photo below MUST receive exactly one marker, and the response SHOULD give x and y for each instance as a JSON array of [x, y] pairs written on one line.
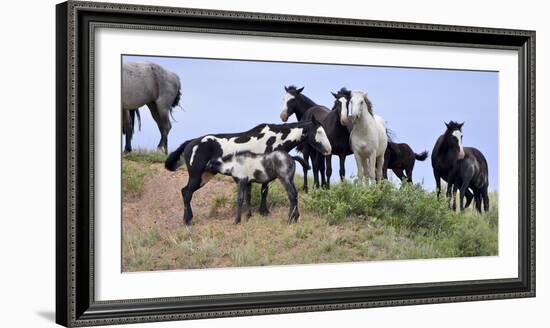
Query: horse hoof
[[188, 222], [237, 221], [264, 212]]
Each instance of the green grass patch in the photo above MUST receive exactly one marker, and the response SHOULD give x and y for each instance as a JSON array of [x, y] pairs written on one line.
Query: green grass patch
[[132, 178], [145, 156]]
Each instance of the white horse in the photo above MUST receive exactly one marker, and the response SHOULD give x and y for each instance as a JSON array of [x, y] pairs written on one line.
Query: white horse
[[148, 84], [368, 137]]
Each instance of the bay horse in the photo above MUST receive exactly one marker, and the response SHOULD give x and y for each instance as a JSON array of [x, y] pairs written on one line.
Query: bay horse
[[152, 85], [368, 137], [246, 167], [447, 151], [400, 158], [261, 139]]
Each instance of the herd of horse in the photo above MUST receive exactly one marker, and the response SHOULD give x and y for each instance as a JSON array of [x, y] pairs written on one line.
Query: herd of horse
[[349, 127]]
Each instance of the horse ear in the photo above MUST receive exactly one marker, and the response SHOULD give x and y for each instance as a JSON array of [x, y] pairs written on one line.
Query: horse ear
[[300, 90], [286, 88], [446, 124], [334, 95], [460, 126]]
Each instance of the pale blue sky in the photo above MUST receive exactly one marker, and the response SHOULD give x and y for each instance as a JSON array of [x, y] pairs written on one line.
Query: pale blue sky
[[230, 96]]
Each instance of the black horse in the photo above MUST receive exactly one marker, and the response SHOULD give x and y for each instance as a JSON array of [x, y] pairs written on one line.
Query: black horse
[[472, 172], [446, 153], [400, 158], [261, 139], [294, 102], [305, 109]]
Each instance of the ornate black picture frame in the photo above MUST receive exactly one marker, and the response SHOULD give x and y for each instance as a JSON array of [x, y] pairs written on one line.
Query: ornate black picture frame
[[75, 301]]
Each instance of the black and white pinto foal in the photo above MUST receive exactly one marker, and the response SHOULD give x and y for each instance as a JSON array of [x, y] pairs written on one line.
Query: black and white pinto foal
[[261, 139], [246, 167]]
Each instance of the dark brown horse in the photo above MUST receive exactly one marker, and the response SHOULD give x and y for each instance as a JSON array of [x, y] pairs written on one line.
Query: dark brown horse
[[400, 158], [446, 154]]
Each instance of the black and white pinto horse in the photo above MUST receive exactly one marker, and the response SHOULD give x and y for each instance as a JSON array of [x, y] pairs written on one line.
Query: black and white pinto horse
[[400, 158], [447, 152], [148, 84], [294, 102], [261, 139], [246, 167]]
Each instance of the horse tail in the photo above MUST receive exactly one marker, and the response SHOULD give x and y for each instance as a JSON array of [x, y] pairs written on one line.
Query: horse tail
[[301, 161], [173, 162], [422, 156], [390, 134], [176, 101]]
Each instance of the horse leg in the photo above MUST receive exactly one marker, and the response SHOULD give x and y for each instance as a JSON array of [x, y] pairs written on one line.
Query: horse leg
[[193, 184], [449, 192], [322, 170], [399, 174], [477, 196], [293, 212], [455, 188], [372, 167], [263, 199], [409, 172], [315, 164], [485, 196], [360, 170], [379, 168], [248, 200], [342, 167], [328, 161], [469, 197], [386, 163], [162, 118], [437, 183], [305, 152], [241, 190], [128, 130]]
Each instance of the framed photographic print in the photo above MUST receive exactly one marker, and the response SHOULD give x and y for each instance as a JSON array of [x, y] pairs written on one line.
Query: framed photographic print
[[214, 163]]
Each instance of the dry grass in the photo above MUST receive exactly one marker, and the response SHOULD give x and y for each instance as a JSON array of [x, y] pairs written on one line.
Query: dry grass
[[154, 237]]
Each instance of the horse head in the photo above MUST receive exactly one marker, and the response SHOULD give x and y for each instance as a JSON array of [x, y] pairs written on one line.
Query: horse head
[[453, 137], [317, 138], [289, 101], [358, 103]]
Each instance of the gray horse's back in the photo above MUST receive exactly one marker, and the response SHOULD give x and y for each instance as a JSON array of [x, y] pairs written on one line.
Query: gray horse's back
[[144, 83]]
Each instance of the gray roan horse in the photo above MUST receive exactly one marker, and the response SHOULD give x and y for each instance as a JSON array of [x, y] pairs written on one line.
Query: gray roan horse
[[148, 84]]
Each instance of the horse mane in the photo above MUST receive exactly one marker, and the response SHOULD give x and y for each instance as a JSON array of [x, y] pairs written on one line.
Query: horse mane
[[391, 135], [369, 103]]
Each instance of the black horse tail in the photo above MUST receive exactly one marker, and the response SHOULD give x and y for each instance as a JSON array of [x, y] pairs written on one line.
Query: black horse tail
[[172, 162], [301, 161], [133, 114], [422, 156], [176, 101]]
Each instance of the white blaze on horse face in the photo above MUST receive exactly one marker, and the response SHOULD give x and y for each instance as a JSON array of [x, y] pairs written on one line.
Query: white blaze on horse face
[[321, 137], [284, 113], [344, 120], [458, 135]]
